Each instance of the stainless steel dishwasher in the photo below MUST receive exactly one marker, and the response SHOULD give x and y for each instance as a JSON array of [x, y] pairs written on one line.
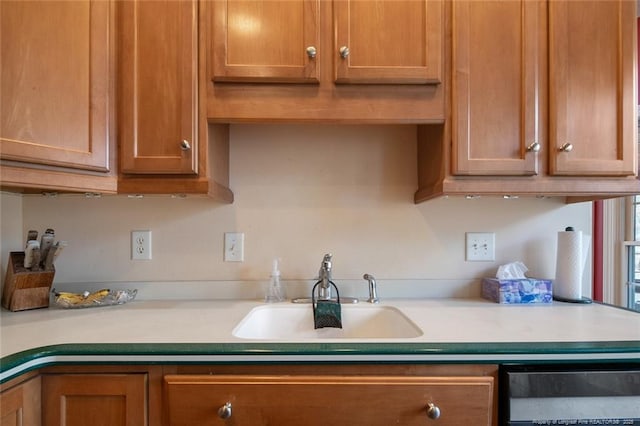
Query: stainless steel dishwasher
[[570, 394]]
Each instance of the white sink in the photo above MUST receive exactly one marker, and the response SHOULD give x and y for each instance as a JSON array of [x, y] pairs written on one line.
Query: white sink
[[295, 322]]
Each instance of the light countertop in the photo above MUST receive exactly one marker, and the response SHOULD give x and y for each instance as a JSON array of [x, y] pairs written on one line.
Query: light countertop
[[456, 330]]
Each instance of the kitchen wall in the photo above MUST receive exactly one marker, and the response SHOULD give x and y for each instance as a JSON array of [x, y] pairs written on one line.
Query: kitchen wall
[[301, 191]]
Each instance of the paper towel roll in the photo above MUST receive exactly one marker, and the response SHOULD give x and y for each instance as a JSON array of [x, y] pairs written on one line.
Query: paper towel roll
[[570, 262]]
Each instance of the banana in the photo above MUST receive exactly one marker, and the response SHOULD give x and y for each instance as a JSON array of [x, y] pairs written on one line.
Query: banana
[[97, 296], [76, 299], [68, 298]]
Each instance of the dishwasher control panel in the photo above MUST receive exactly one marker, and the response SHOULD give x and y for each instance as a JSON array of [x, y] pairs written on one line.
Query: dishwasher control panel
[[570, 394]]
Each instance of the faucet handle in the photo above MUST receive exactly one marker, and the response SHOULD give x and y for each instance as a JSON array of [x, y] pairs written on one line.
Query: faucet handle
[[373, 289], [325, 267]]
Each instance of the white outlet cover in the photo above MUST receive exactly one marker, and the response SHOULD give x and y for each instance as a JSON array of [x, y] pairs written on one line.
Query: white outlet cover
[[480, 246], [141, 245]]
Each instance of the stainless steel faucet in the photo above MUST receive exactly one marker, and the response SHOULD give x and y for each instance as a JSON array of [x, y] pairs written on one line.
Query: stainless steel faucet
[[324, 275], [373, 289], [324, 284]]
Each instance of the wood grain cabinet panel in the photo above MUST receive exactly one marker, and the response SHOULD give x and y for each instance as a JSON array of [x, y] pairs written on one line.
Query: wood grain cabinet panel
[[94, 399], [328, 400], [392, 73], [56, 95], [542, 102], [55, 83], [158, 87], [20, 405], [387, 42], [166, 144], [381, 41], [591, 88], [498, 126], [266, 41], [497, 71]]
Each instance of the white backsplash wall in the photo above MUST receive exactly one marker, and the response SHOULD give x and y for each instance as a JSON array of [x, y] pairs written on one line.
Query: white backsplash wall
[[12, 237], [301, 191]]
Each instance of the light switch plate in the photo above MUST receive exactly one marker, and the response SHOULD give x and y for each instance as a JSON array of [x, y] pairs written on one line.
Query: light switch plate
[[481, 246], [233, 247]]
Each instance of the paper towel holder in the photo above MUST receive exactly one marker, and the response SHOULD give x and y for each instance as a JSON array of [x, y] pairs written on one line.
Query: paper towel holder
[[583, 299]]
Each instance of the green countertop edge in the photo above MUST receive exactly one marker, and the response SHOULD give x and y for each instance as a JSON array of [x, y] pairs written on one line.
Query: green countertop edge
[[311, 349]]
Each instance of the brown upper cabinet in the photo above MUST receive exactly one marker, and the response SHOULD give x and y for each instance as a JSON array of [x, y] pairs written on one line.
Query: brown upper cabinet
[[388, 42], [497, 74], [166, 144], [378, 61], [591, 88], [542, 101], [158, 87], [265, 41], [376, 41], [510, 96], [56, 94]]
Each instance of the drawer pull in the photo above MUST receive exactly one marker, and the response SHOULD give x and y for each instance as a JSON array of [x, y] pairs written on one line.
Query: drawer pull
[[224, 412], [311, 52], [567, 147], [433, 411], [185, 145], [534, 147]]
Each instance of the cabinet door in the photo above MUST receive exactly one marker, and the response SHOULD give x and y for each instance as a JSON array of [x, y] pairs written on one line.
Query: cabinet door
[[266, 40], [328, 400], [20, 405], [495, 103], [591, 78], [94, 400], [54, 84], [388, 41], [158, 87]]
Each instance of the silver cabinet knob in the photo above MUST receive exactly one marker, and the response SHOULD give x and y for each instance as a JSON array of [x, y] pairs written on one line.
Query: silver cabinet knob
[[311, 52], [567, 147], [224, 412], [185, 145], [344, 52], [534, 147], [433, 411]]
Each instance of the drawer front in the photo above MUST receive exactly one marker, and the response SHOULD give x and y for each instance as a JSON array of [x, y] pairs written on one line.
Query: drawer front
[[328, 400]]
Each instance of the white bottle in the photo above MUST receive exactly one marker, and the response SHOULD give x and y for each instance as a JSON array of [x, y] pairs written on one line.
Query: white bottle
[[275, 291]]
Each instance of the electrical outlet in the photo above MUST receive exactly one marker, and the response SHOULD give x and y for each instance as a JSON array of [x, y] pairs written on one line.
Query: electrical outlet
[[141, 245], [233, 247], [481, 246]]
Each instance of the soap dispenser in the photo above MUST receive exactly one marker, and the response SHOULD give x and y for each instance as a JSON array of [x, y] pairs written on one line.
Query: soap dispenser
[[275, 291]]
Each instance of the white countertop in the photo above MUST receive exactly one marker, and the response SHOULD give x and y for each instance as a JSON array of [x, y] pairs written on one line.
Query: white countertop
[[210, 321]]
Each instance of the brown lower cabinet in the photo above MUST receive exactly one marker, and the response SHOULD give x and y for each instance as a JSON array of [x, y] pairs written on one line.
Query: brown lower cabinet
[[94, 399], [328, 400], [252, 395], [21, 405]]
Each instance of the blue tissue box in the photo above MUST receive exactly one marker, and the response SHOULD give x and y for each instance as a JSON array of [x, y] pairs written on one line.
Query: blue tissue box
[[517, 291]]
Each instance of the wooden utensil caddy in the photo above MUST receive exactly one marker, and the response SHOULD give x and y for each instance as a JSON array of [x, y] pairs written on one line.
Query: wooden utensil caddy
[[25, 289]]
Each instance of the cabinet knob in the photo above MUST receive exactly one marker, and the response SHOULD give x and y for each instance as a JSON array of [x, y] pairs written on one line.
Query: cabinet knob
[[185, 145], [433, 411], [534, 147], [567, 147], [311, 52], [344, 52], [224, 412]]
